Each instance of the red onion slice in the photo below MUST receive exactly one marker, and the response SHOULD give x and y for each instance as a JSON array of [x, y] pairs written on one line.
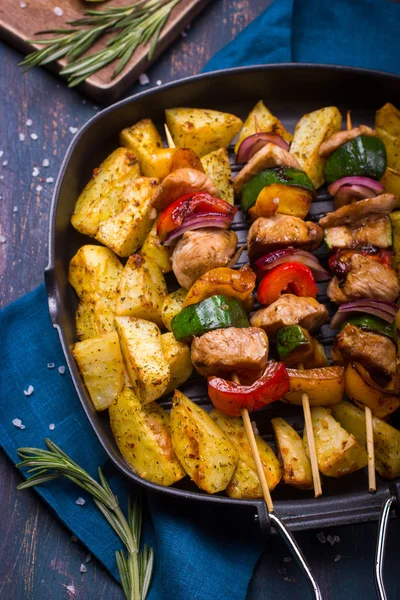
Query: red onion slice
[[379, 308], [254, 143], [365, 182], [273, 259], [199, 221]]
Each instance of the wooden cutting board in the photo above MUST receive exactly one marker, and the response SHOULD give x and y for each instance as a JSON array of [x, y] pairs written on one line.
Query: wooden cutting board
[[20, 24]]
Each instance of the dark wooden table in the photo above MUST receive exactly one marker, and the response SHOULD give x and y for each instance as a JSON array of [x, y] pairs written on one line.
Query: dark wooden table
[[38, 558]]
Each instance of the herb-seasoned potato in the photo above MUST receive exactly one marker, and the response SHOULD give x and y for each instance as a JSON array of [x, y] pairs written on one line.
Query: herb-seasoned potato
[[141, 290], [94, 271], [266, 122], [361, 393], [142, 433], [155, 251], [172, 305], [391, 183], [338, 452], [296, 464], [244, 483], [217, 167], [203, 449], [201, 130], [310, 132], [141, 346], [102, 197], [324, 386], [95, 317], [126, 231], [177, 355], [386, 438], [387, 125], [100, 363]]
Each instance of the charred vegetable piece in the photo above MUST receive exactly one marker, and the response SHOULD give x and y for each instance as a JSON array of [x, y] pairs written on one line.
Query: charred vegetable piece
[[364, 156], [293, 277], [324, 386], [222, 281], [283, 175], [213, 313], [230, 397], [283, 199], [363, 394], [371, 232], [374, 324], [294, 343]]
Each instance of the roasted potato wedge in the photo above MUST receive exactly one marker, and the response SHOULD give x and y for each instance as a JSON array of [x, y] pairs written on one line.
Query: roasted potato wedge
[[143, 436], [172, 305], [156, 252], [338, 452], [387, 125], [216, 165], [361, 393], [244, 483], [100, 363], [296, 464], [141, 346], [102, 197], [95, 317], [144, 141], [141, 290], [310, 132], [201, 130], [203, 449], [94, 271], [266, 122], [324, 386], [126, 231], [391, 183], [386, 438], [177, 355]]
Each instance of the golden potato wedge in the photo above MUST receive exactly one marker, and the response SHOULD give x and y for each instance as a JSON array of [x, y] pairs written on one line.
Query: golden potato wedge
[[100, 363], [95, 317], [266, 122], [387, 125], [244, 483], [143, 436], [141, 290], [155, 251], [386, 438], [203, 449], [391, 183], [296, 464], [217, 167], [94, 271], [382, 404], [126, 231], [172, 305], [338, 452], [310, 132], [201, 130], [141, 347], [324, 386], [102, 197], [177, 355]]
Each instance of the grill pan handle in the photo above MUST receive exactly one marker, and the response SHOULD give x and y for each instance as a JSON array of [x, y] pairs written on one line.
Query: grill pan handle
[[381, 546]]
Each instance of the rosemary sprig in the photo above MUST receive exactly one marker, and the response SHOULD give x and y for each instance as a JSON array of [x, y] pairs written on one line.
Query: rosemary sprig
[[135, 568], [132, 25]]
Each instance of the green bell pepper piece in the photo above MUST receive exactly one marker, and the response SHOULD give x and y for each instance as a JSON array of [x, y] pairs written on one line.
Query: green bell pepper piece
[[373, 324], [289, 339]]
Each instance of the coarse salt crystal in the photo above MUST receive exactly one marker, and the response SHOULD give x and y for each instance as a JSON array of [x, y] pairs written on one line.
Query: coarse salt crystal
[[29, 123], [1, 153], [95, 107], [287, 559], [88, 558], [184, 34], [80, 501], [23, 5], [29, 391], [73, 130], [3, 239], [57, 10], [84, 101], [5, 163], [337, 557], [15, 209], [158, 82], [52, 426], [50, 365], [49, 179], [331, 539], [18, 423], [39, 188], [34, 136], [1, 177], [321, 537], [336, 539], [71, 589], [143, 79], [45, 162], [21, 137], [82, 568], [61, 370], [35, 172]]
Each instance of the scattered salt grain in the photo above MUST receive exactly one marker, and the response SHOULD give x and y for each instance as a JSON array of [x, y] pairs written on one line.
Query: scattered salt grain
[[21, 137], [52, 426], [71, 589], [95, 107], [45, 162], [29, 391], [34, 136], [5, 163], [331, 539], [82, 568], [158, 82], [83, 101], [61, 370], [73, 130], [88, 558], [287, 559], [1, 177], [15, 209], [22, 4], [35, 172], [49, 179], [143, 79], [80, 501], [18, 423], [74, 538], [57, 10], [321, 537], [336, 539], [3, 239], [184, 34], [50, 365], [1, 153], [39, 188], [29, 123], [254, 426], [337, 557]]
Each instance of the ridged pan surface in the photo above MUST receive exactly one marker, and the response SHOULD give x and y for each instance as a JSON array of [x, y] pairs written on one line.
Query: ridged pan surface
[[289, 91]]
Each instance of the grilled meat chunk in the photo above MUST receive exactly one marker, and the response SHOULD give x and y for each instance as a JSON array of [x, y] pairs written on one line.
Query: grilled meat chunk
[[290, 310], [355, 214], [269, 157], [280, 231], [336, 140], [375, 352], [367, 278], [200, 251], [180, 183], [224, 351]]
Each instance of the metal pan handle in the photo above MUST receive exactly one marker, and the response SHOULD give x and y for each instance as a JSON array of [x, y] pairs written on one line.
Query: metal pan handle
[[381, 546]]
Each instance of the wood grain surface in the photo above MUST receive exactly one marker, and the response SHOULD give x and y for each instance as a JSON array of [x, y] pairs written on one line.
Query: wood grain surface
[[38, 558]]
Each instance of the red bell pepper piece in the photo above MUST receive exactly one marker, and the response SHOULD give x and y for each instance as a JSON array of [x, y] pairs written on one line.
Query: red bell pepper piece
[[230, 397], [174, 215], [291, 277]]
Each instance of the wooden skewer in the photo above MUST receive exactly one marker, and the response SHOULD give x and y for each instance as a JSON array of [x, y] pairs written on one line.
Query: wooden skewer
[[170, 141], [256, 125], [370, 450], [348, 120], [256, 455], [311, 441]]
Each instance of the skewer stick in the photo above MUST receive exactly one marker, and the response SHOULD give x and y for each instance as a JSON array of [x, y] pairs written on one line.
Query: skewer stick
[[370, 450], [311, 441], [256, 125], [349, 124], [256, 455], [170, 141]]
